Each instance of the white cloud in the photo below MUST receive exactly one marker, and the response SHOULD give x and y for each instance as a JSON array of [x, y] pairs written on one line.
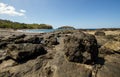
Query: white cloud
[[10, 10], [23, 11]]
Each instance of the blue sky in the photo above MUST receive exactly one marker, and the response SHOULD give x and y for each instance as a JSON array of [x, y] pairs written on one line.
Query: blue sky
[[77, 13]]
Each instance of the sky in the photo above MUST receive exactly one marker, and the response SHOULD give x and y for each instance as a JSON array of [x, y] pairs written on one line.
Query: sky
[[76, 13]]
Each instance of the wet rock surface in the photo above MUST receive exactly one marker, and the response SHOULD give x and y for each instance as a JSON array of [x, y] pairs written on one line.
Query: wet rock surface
[[60, 54]]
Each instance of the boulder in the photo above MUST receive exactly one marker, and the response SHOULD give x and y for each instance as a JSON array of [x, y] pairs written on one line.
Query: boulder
[[29, 39], [5, 74], [33, 39], [81, 48], [100, 33], [13, 37], [24, 52], [50, 39], [3, 44], [17, 36]]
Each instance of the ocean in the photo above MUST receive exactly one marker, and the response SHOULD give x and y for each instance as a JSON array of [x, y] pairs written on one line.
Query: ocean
[[37, 30], [45, 30]]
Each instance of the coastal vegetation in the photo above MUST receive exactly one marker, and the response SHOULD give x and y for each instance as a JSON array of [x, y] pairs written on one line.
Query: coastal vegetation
[[16, 25]]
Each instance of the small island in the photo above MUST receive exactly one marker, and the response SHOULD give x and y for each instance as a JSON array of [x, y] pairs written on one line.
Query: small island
[[67, 27]]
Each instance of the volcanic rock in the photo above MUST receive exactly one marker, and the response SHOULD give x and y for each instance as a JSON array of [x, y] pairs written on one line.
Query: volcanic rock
[[81, 48]]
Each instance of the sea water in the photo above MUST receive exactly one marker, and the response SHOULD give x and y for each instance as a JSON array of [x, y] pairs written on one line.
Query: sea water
[[37, 30], [44, 30]]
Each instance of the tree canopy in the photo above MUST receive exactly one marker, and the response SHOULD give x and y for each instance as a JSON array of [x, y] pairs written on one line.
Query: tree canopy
[[16, 25]]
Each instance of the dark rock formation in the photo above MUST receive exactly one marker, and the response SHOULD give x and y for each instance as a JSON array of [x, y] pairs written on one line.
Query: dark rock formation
[[50, 39], [5, 74], [81, 48], [100, 33], [21, 53], [16, 37], [59, 54], [33, 39], [12, 38], [3, 44]]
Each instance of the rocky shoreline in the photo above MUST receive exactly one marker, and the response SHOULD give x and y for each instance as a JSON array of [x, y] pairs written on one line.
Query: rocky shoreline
[[68, 53]]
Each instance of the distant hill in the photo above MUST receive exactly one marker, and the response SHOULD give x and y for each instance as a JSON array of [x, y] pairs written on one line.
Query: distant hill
[[16, 25], [66, 27]]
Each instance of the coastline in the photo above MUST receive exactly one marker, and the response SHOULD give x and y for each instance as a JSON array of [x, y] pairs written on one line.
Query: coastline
[[55, 51], [7, 32], [36, 30], [4, 32]]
